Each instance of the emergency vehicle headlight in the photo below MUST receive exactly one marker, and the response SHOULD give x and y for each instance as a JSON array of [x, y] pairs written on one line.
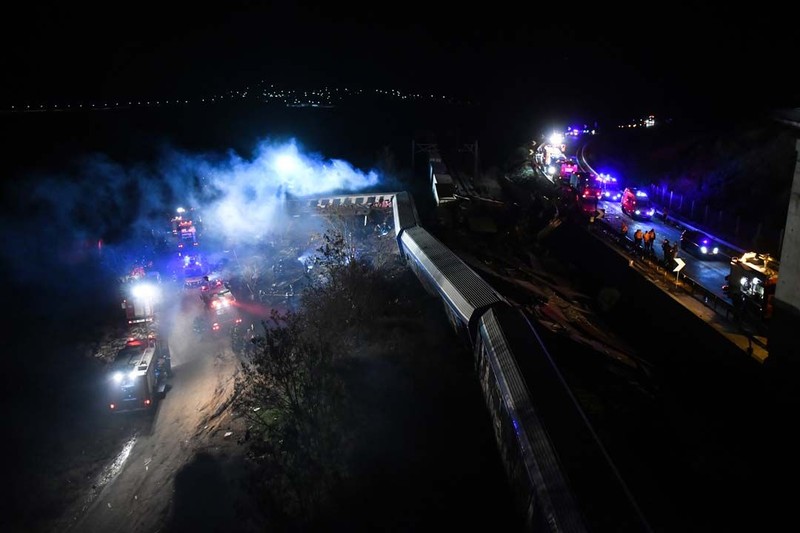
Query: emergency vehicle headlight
[[132, 374], [715, 250], [551, 170], [638, 212], [703, 249], [117, 377]]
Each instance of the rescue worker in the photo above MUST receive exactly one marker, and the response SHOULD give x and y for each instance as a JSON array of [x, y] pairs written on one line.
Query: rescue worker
[[637, 238], [646, 242], [673, 253], [652, 240], [624, 230], [666, 248]]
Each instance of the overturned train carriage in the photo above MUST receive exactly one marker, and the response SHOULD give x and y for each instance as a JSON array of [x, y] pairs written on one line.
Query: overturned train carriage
[[444, 274], [562, 477]]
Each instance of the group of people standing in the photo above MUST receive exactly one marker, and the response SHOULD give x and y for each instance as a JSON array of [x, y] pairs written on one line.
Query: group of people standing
[[643, 242]]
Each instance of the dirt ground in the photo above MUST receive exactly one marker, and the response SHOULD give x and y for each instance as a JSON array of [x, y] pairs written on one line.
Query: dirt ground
[[184, 467], [130, 472], [80, 467]]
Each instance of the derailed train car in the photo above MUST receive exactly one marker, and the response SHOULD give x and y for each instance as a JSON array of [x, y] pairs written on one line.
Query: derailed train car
[[563, 479]]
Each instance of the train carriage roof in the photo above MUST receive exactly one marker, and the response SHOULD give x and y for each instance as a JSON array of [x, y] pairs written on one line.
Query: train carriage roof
[[461, 285]]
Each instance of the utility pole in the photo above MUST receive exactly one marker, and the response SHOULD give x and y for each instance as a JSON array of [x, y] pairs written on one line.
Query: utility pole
[[416, 148], [473, 149]]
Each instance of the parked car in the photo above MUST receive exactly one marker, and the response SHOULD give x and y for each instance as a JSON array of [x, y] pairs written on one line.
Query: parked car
[[636, 204], [700, 245]]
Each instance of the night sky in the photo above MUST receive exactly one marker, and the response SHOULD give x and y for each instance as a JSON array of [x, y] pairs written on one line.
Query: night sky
[[607, 60]]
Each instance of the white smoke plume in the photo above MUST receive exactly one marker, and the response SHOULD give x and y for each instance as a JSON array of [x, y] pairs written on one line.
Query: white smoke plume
[[102, 206]]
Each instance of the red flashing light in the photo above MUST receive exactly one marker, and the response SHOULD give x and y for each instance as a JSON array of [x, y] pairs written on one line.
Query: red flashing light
[[147, 401]]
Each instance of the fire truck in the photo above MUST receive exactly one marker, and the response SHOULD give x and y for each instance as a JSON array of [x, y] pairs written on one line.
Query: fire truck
[[185, 229], [222, 310], [141, 295], [586, 184], [138, 376], [194, 271], [751, 284], [552, 154], [566, 168]]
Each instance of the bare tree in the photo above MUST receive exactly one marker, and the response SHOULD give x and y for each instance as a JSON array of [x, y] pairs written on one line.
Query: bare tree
[[294, 401], [293, 391]]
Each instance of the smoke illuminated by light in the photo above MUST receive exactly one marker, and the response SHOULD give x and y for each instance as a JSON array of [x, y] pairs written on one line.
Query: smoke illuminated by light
[[241, 199], [253, 192]]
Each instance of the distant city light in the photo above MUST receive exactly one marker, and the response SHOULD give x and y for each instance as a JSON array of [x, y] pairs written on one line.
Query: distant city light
[[295, 97]]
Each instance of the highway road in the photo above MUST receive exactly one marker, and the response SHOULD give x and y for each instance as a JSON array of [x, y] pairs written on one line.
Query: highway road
[[708, 273]]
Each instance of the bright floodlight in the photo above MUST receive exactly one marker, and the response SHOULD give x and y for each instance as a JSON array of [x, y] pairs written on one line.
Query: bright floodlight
[[556, 138], [145, 291], [181, 210], [287, 164]]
